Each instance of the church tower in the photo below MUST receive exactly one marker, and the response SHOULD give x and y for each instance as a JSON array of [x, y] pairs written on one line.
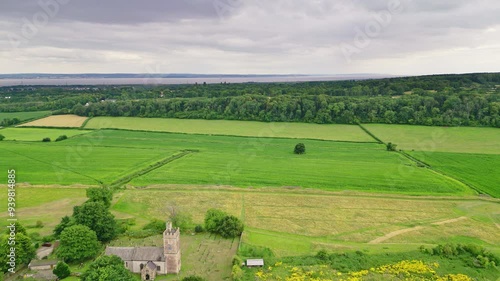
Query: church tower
[[172, 248]]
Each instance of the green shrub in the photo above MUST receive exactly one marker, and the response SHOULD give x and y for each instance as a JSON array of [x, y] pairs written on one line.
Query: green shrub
[[237, 261], [155, 226], [237, 273], [300, 148], [193, 278], [61, 270], [198, 229], [61, 138], [46, 140]]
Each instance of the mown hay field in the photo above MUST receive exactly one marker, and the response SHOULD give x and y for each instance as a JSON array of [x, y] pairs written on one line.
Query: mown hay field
[[234, 128], [289, 222], [67, 121]]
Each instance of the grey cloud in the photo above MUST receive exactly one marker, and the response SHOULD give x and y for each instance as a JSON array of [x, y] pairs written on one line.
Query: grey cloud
[[114, 11], [281, 35]]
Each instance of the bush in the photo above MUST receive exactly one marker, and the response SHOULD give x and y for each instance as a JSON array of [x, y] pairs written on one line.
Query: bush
[[61, 270], [61, 138], [322, 255], [155, 226], [237, 273], [2, 137], [193, 278], [237, 261], [46, 140], [39, 224], [198, 229], [300, 148]]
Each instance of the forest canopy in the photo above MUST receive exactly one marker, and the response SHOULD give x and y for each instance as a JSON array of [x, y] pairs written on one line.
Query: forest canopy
[[442, 100]]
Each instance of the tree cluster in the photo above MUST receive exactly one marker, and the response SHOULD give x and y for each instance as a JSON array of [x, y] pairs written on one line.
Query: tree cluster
[[219, 222], [25, 250], [107, 268], [91, 223]]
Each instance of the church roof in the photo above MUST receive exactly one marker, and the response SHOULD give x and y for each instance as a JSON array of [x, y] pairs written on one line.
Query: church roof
[[137, 253], [151, 265], [125, 253], [148, 254]]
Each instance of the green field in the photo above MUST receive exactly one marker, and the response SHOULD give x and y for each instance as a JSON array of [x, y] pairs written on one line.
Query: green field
[[35, 134], [478, 170], [439, 139], [100, 157], [23, 115], [340, 196], [234, 128]]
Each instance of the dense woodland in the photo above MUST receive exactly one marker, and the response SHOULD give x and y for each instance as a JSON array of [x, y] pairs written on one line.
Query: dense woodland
[[442, 100]]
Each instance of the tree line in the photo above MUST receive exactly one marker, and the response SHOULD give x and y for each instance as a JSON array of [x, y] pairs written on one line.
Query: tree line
[[441, 100]]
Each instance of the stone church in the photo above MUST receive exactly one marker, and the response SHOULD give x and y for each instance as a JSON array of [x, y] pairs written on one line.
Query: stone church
[[152, 261]]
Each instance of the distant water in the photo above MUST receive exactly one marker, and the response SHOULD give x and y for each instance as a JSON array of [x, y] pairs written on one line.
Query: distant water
[[171, 81]]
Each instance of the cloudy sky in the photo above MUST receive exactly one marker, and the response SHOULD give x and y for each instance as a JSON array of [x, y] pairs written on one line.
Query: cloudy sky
[[401, 37]]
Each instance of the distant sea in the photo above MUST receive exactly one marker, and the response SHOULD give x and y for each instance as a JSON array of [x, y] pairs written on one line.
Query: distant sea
[[178, 80]]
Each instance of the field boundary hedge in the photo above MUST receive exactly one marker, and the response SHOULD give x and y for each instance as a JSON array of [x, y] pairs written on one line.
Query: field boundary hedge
[[370, 134], [121, 181]]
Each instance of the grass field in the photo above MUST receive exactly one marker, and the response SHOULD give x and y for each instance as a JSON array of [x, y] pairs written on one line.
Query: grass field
[[439, 139], [43, 204], [37, 134], [478, 170], [109, 155], [23, 115], [67, 121], [68, 164], [234, 128]]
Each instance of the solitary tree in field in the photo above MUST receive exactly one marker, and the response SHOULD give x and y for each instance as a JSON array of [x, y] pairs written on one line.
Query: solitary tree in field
[[391, 146], [300, 148]]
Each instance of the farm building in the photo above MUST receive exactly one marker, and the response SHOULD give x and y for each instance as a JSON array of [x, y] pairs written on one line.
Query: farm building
[[255, 263], [42, 264], [152, 261]]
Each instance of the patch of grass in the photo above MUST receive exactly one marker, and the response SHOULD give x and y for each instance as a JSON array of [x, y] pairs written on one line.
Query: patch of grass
[[234, 128], [37, 134], [479, 170], [439, 139], [48, 205], [23, 115]]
